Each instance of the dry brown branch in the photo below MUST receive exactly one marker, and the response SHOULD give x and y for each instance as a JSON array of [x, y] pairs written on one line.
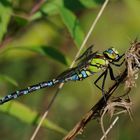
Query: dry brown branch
[[97, 109], [132, 57]]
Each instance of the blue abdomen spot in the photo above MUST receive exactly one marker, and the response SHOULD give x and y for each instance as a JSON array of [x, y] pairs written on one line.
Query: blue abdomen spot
[[50, 83], [84, 74], [74, 77]]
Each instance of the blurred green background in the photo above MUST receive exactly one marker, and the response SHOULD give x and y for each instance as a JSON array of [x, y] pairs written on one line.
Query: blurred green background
[[37, 44]]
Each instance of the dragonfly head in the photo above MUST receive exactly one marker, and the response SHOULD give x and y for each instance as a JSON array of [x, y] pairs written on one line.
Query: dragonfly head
[[112, 54]]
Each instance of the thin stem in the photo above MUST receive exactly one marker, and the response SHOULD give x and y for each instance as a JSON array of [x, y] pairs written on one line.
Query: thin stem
[[44, 116], [108, 130], [90, 31], [78, 53], [37, 6]]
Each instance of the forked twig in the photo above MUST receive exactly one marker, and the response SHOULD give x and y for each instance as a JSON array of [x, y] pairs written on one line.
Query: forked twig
[[77, 55], [117, 104]]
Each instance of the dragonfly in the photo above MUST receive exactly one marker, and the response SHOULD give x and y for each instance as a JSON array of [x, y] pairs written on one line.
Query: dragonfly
[[88, 64]]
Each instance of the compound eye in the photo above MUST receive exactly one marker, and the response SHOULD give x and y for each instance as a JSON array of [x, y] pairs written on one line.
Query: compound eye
[[110, 51]]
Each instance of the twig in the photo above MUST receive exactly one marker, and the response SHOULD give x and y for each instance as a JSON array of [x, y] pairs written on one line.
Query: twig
[[111, 126], [102, 124], [6, 41], [113, 105], [37, 6], [78, 53], [95, 110], [44, 116], [132, 57], [90, 31]]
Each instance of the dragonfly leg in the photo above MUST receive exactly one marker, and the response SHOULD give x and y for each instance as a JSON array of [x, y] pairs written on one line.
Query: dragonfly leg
[[95, 83], [103, 84], [118, 65], [111, 73]]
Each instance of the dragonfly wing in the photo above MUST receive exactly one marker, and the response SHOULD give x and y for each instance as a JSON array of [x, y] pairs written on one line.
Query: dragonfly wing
[[66, 74], [86, 60], [86, 53]]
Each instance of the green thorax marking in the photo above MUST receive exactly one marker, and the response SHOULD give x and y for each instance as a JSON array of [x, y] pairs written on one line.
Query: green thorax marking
[[98, 64]]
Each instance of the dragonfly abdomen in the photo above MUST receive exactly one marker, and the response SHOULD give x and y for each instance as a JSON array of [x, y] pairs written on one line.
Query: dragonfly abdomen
[[74, 77], [80, 75], [28, 90]]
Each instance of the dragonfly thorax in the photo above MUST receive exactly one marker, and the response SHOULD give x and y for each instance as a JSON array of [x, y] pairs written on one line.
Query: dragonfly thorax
[[98, 64]]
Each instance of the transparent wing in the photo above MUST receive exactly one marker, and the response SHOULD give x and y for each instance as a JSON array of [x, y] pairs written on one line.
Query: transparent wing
[[86, 53], [66, 73], [83, 62]]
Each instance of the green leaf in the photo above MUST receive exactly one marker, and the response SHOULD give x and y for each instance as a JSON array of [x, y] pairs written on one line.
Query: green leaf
[[44, 50], [72, 24], [5, 78], [55, 54], [89, 3], [5, 14], [21, 21], [68, 18], [49, 8], [36, 16], [77, 5], [26, 115], [51, 52]]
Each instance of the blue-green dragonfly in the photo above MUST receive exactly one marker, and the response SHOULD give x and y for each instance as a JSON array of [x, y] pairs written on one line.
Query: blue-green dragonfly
[[89, 63]]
